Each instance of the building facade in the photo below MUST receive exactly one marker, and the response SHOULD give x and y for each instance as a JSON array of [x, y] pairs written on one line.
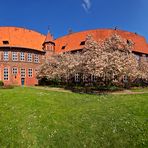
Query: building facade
[[23, 51], [20, 55]]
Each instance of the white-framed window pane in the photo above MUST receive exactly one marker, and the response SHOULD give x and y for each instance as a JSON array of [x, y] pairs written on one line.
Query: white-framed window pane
[[93, 78], [30, 72], [23, 73], [36, 58], [22, 56], [137, 57], [6, 74], [14, 71], [6, 57], [14, 56], [29, 57], [77, 77], [84, 78]]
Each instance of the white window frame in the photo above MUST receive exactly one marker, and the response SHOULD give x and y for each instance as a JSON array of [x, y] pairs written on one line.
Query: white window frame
[[30, 72], [36, 58], [22, 56], [6, 74], [93, 78], [84, 78], [6, 56], [23, 72], [77, 77], [137, 57], [29, 58], [14, 56], [14, 71]]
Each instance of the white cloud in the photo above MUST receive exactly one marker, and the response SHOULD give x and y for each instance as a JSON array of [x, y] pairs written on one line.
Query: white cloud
[[86, 4]]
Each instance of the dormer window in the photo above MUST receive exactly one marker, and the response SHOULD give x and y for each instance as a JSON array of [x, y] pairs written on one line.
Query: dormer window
[[63, 47], [5, 42], [82, 43], [129, 42]]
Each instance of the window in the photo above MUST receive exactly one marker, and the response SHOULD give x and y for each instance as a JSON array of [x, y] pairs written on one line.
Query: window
[[6, 56], [36, 58], [29, 57], [23, 73], [30, 72], [137, 57], [84, 78], [14, 71], [77, 77], [63, 47], [22, 56], [14, 56], [5, 42], [144, 57], [125, 79], [93, 78], [5, 73], [129, 42], [36, 71], [82, 43], [50, 47]]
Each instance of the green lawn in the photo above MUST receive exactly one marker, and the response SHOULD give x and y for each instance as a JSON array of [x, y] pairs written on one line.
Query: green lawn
[[41, 118]]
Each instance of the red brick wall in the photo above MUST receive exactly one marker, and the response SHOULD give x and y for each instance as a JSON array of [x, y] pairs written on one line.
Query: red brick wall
[[16, 80]]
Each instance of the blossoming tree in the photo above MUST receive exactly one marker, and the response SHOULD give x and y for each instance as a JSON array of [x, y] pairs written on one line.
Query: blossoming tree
[[106, 62]]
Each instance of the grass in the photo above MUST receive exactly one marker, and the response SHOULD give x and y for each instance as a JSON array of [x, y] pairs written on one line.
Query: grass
[[41, 118]]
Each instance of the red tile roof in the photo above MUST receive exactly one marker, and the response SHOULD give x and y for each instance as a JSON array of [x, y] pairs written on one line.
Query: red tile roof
[[21, 37], [73, 41]]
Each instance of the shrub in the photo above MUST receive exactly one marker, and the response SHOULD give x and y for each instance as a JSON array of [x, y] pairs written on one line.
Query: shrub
[[1, 83]]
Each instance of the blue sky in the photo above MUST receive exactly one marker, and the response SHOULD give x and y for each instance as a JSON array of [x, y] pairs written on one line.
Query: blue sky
[[79, 15]]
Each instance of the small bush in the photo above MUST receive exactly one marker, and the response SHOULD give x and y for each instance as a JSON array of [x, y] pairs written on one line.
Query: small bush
[[1, 83]]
